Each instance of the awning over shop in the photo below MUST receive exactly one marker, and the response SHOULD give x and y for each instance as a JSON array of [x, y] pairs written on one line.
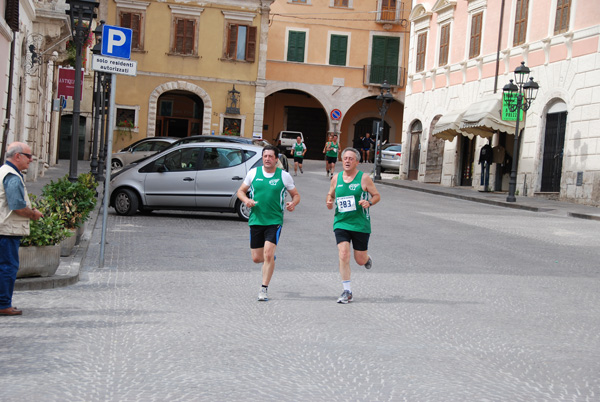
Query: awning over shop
[[447, 126], [483, 118]]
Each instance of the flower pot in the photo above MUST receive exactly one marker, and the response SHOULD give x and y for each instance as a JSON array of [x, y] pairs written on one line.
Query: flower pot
[[38, 261], [66, 246], [79, 232]]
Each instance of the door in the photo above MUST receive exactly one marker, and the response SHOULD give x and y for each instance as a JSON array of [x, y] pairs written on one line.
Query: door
[[553, 152], [171, 180], [384, 60], [415, 150], [467, 157], [221, 173], [66, 132]]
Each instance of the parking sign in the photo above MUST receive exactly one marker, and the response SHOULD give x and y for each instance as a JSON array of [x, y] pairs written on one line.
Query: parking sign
[[116, 42]]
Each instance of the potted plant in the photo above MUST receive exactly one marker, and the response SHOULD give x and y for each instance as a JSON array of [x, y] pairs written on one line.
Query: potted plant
[[39, 253], [73, 202]]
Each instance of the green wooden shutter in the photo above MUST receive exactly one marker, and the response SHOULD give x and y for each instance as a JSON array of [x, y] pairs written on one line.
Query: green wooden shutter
[[338, 50], [296, 46], [384, 59]]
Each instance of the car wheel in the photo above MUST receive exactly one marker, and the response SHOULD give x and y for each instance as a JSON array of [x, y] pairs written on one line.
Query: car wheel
[[126, 202], [116, 164], [242, 210]]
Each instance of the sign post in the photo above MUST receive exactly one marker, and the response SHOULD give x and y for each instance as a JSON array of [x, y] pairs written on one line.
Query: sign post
[[116, 46]]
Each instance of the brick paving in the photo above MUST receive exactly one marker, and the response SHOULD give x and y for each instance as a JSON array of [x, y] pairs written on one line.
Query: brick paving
[[465, 301]]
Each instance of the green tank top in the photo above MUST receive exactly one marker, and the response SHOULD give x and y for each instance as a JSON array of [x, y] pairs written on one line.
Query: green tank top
[[269, 194], [298, 149], [333, 153], [348, 214]]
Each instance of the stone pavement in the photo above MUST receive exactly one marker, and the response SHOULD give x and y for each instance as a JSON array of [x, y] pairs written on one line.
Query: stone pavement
[[465, 302], [69, 269]]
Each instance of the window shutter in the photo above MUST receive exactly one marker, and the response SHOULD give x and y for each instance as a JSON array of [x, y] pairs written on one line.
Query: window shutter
[[232, 41], [338, 50], [178, 47], [251, 44], [421, 49], [11, 14], [190, 29], [126, 20], [521, 22], [563, 10], [444, 45], [296, 46], [475, 46], [136, 23]]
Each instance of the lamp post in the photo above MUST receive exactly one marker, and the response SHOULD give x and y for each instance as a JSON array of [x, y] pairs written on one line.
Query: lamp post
[[96, 108], [81, 13], [386, 98], [526, 91]]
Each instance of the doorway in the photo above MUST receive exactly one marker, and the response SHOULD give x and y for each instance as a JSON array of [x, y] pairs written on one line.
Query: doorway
[[66, 132], [552, 159], [467, 157], [416, 129]]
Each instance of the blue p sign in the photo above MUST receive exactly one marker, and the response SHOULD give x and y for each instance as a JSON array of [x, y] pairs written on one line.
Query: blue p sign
[[116, 42]]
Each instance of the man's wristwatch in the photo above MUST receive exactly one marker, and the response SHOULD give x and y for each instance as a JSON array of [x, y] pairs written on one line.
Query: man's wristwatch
[[370, 203]]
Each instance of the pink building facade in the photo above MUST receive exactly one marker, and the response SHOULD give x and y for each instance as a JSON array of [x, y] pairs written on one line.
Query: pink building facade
[[462, 53]]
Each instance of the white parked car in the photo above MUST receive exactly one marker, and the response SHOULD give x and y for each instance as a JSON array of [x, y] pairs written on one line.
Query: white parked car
[[140, 149], [390, 157]]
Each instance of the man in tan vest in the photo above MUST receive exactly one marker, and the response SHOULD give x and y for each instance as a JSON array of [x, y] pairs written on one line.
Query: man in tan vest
[[15, 213]]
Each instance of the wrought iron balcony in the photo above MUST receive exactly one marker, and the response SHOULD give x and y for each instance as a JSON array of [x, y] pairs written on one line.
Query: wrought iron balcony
[[376, 74]]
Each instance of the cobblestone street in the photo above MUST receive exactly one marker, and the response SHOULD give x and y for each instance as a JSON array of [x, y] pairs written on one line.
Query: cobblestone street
[[465, 302]]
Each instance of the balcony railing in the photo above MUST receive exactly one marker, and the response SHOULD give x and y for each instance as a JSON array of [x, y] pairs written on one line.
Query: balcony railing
[[375, 75]]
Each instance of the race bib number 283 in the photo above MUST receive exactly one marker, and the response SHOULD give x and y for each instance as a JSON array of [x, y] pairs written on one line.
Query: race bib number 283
[[346, 204]]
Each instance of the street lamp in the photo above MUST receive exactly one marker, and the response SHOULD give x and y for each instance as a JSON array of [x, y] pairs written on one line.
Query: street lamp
[[526, 92], [96, 108], [386, 98], [81, 13]]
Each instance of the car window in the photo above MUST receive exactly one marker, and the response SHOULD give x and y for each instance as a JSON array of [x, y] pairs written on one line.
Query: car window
[[289, 135], [176, 161], [143, 147], [160, 145], [394, 148], [220, 158]]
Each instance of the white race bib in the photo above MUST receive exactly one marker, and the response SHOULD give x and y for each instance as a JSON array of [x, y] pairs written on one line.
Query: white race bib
[[346, 204]]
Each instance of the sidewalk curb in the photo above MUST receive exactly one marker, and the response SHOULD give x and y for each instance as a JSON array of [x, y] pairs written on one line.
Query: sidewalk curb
[[485, 201], [71, 264]]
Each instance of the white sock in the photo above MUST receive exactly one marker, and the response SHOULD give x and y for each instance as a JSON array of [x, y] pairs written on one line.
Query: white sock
[[346, 285]]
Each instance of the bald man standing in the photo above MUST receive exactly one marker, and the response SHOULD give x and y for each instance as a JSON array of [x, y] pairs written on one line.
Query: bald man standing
[[15, 213]]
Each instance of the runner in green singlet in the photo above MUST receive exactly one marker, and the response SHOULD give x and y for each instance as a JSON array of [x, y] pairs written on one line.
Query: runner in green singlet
[[333, 149], [267, 185], [298, 151], [351, 193]]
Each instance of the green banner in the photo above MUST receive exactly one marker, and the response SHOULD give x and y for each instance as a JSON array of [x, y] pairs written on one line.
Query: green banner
[[507, 115]]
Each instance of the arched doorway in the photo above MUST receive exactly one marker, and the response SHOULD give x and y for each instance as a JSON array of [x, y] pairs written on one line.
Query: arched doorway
[[294, 110], [554, 142], [66, 131], [179, 114], [435, 155], [416, 129]]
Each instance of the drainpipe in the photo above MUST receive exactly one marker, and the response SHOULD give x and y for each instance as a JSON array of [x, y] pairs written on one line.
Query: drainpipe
[[499, 44], [8, 97]]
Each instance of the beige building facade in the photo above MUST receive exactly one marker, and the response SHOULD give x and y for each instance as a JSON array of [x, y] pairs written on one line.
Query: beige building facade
[[329, 58], [200, 68]]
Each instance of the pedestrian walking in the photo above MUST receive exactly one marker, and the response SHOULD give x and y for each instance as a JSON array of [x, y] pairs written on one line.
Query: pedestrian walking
[[15, 213], [298, 151], [267, 185], [352, 193], [333, 149]]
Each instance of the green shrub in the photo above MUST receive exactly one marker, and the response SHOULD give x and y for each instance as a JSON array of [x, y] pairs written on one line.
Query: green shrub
[[71, 201], [46, 231]]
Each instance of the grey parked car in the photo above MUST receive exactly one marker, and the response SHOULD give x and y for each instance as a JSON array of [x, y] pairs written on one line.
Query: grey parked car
[[390, 157], [201, 176], [140, 149]]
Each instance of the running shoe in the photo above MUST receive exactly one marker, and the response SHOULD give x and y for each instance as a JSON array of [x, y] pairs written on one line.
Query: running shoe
[[262, 295], [345, 297], [301, 171], [369, 263]]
